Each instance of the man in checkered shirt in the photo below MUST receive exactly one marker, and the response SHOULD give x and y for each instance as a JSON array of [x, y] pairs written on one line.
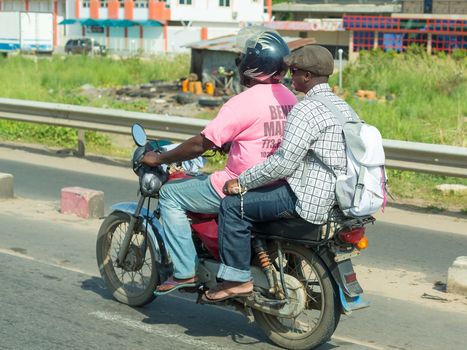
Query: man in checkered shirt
[[312, 144]]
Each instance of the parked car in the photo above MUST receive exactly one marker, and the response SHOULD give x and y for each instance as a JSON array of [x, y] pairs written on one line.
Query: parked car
[[84, 46]]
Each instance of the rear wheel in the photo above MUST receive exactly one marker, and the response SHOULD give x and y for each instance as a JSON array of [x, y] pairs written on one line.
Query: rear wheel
[[316, 324], [134, 283]]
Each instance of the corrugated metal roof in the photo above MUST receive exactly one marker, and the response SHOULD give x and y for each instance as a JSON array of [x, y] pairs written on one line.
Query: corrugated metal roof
[[227, 43]]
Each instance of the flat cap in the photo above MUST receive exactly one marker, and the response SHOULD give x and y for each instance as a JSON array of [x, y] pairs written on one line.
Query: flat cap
[[312, 58]]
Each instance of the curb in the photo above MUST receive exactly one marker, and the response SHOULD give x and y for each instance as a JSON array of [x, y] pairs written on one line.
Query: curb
[[457, 276], [84, 202], [6, 185]]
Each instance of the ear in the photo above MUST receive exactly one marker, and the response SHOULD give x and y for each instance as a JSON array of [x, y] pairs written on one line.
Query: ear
[[308, 76]]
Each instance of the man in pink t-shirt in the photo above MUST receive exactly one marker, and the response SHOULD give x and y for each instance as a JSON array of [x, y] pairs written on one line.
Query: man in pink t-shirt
[[253, 122]]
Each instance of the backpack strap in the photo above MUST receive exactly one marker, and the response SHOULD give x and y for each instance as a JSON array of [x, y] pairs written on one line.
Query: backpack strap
[[360, 186], [334, 110], [352, 133], [342, 120], [340, 117]]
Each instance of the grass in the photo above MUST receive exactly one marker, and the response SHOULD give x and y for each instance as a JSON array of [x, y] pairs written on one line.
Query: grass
[[60, 78], [57, 79], [421, 98], [420, 189]]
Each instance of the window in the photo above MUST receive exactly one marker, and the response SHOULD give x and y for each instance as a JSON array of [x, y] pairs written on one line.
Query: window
[[86, 3], [103, 3], [224, 3], [141, 4], [184, 2], [121, 3], [97, 29]]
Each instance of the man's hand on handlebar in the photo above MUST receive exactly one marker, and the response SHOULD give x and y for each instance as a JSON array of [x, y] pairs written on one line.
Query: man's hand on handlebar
[[152, 159]]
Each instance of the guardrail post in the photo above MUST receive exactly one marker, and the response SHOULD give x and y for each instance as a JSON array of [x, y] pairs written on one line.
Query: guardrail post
[[81, 143], [340, 51]]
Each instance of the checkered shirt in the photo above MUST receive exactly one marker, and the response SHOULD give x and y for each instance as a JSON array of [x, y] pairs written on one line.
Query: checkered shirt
[[311, 129]]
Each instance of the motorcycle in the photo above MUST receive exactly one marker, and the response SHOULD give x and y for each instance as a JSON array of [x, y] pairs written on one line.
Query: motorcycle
[[303, 276]]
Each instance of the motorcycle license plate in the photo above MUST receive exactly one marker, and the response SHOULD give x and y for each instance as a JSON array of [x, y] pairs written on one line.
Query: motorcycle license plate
[[347, 255]]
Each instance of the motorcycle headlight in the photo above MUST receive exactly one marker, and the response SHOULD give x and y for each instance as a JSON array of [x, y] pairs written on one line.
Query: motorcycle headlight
[[151, 180]]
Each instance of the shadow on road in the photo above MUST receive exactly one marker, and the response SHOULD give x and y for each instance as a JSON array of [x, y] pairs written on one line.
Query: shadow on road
[[202, 320], [96, 285], [199, 321]]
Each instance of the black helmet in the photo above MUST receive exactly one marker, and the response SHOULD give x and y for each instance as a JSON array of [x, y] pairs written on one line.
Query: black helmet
[[262, 57]]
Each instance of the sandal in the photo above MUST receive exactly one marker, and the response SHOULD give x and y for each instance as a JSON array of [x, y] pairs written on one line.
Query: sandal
[[227, 290], [174, 283]]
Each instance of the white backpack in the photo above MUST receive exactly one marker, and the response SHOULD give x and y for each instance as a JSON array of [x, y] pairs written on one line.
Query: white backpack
[[362, 190]]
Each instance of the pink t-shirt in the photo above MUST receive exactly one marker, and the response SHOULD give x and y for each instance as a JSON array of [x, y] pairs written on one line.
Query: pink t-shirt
[[254, 122]]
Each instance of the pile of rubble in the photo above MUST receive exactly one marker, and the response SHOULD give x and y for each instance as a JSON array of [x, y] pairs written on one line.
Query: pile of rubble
[[162, 97]]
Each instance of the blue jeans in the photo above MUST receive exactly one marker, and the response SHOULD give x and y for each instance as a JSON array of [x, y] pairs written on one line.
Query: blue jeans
[[175, 199], [259, 205]]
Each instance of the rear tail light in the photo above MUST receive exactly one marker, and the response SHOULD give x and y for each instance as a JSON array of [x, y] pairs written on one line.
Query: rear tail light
[[363, 243], [352, 236]]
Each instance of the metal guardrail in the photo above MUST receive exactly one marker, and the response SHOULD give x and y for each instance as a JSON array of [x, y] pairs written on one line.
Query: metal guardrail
[[403, 155]]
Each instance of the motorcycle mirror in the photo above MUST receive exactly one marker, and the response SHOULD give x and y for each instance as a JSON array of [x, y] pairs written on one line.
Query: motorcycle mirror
[[139, 135]]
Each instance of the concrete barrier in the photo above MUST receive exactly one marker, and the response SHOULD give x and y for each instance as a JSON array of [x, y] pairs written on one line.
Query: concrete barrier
[[6, 185], [457, 276], [84, 202]]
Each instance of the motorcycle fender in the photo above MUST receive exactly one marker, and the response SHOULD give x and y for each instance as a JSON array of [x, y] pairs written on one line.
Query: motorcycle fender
[[346, 281], [154, 227], [343, 274]]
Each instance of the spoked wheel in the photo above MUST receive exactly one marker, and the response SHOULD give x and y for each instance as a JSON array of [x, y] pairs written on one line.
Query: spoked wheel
[[134, 282], [319, 319]]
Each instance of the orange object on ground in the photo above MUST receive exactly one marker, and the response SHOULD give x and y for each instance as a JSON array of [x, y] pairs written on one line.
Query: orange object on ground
[[191, 87], [198, 87], [361, 93], [371, 95], [185, 85], [210, 88]]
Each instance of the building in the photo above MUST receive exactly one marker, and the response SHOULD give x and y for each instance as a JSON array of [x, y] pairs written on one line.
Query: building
[[128, 26], [213, 60], [354, 25], [158, 26]]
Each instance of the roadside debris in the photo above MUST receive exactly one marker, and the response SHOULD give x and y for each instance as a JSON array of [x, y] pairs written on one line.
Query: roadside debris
[[434, 297], [163, 97], [450, 188], [441, 286]]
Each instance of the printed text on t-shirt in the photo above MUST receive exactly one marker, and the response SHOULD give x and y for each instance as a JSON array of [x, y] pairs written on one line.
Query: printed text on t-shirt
[[274, 129]]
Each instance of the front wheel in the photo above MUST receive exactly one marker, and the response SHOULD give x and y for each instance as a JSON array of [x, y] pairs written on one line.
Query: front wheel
[[316, 324], [133, 283]]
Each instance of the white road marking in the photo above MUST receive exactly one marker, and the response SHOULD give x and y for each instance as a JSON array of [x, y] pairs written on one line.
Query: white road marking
[[162, 331], [357, 342], [159, 330], [27, 257]]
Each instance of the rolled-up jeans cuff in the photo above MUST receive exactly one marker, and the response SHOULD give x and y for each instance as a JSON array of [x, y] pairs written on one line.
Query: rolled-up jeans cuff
[[232, 274]]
